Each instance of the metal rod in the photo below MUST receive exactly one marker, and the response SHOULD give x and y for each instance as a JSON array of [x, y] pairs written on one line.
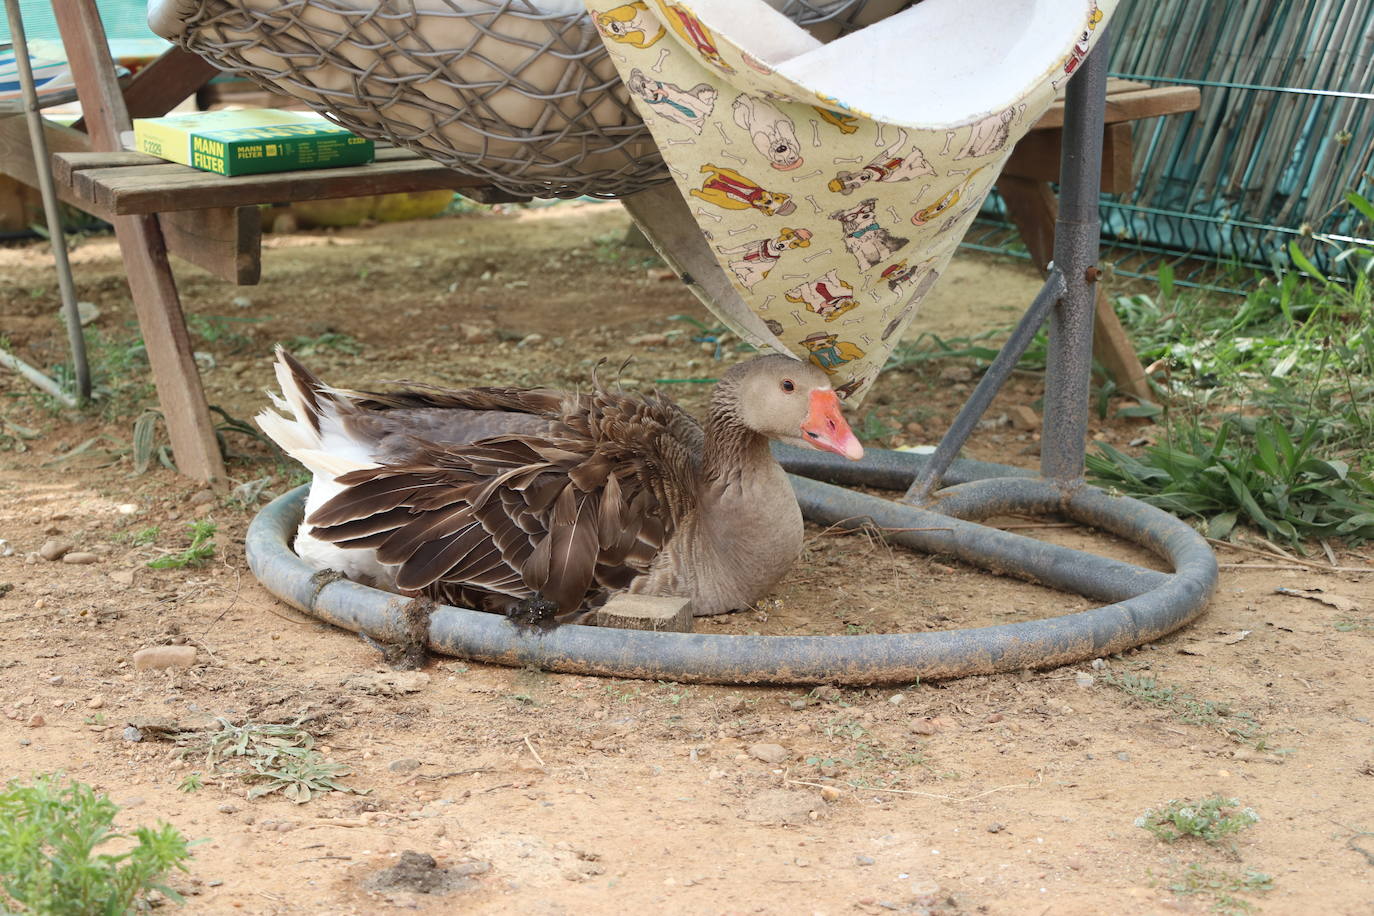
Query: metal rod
[[992, 381], [1069, 362], [56, 238], [38, 378]]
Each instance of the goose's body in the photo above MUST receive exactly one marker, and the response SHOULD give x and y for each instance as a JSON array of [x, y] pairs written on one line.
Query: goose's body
[[497, 497]]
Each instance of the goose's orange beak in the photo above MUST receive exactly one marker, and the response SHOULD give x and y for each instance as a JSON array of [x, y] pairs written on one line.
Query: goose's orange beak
[[825, 428]]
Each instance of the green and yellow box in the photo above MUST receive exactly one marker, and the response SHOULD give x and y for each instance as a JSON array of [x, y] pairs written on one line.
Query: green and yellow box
[[251, 141]]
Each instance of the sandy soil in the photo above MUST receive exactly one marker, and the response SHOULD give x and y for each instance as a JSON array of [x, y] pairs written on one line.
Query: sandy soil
[[556, 794]]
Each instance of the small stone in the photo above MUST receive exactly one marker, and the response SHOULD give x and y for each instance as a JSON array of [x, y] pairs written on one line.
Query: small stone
[[55, 680], [531, 340], [1123, 756], [228, 809], [915, 429], [830, 794], [404, 765], [201, 498], [24, 742], [54, 549], [996, 827], [1083, 679], [924, 726], [1023, 418], [863, 861], [897, 699], [122, 576], [36, 720], [243, 302], [956, 374], [1074, 862], [648, 340], [994, 718], [1099, 664], [80, 558], [476, 333], [127, 508], [158, 657], [96, 702], [769, 753], [131, 733]]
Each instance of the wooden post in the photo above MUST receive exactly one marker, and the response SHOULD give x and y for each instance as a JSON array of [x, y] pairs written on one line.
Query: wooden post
[[145, 255], [643, 612]]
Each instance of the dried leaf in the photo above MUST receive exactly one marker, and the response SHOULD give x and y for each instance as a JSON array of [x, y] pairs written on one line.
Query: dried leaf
[[1339, 602]]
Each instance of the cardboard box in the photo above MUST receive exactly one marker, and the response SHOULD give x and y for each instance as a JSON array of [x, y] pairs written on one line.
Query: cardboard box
[[251, 141]]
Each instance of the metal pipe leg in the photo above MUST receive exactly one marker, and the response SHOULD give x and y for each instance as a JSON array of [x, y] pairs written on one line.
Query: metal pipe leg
[[51, 210], [992, 381], [1069, 369]]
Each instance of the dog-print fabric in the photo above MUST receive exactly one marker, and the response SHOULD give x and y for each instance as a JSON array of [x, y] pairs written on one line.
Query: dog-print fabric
[[830, 224]]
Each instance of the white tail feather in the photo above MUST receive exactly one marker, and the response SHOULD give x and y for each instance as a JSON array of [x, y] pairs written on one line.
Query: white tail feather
[[327, 453], [329, 464]]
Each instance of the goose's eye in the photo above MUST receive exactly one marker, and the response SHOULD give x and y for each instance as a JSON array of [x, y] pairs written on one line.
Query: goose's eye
[[788, 385]]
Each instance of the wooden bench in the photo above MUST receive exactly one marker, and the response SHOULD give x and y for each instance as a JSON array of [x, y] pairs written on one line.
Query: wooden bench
[[160, 208]]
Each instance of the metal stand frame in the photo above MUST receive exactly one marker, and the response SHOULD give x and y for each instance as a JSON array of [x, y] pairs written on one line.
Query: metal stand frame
[[1145, 604], [56, 237]]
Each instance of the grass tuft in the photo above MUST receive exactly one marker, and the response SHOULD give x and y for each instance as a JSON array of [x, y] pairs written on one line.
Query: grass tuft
[[202, 548], [1209, 819]]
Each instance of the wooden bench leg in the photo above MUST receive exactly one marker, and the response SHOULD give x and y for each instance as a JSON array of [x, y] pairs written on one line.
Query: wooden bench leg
[[145, 255], [1034, 208], [169, 349]]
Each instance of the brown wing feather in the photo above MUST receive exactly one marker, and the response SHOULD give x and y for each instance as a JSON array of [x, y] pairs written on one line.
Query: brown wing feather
[[571, 513]]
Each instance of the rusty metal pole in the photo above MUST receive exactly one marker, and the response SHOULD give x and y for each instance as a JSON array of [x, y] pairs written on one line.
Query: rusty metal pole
[[1069, 367]]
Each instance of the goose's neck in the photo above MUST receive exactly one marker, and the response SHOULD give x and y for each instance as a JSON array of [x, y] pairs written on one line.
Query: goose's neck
[[733, 451]]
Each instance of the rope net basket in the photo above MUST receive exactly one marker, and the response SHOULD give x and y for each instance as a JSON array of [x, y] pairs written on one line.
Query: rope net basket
[[520, 93]]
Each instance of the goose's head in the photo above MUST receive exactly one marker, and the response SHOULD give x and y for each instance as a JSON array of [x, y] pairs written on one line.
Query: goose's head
[[788, 400]]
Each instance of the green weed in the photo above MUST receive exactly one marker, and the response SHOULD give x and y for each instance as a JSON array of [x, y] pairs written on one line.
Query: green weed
[[50, 832], [871, 762], [1239, 727], [1269, 404], [1269, 476], [275, 757], [1220, 887], [222, 330], [202, 548], [305, 346], [1209, 819]]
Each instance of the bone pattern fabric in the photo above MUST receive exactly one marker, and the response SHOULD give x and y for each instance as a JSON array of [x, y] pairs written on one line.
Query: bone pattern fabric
[[831, 224]]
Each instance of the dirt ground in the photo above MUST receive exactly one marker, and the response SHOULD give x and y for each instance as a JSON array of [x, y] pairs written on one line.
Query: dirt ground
[[553, 794]]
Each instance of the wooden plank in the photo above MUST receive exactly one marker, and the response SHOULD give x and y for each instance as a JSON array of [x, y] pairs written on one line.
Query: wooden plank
[[145, 256], [1133, 105], [164, 186], [16, 156], [1036, 157], [68, 164], [164, 83], [1033, 208]]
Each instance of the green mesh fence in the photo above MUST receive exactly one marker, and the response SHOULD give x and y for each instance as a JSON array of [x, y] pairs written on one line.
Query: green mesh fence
[[1285, 129]]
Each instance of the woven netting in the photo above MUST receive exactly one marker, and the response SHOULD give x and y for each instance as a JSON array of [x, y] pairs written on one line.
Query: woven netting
[[521, 94]]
